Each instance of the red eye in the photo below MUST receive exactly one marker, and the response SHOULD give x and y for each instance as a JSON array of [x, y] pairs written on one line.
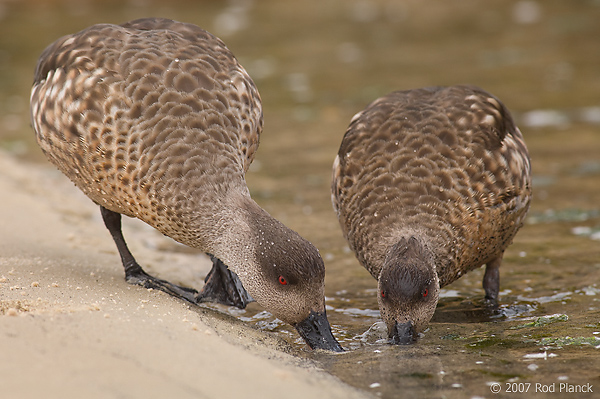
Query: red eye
[[382, 294], [282, 280], [425, 293]]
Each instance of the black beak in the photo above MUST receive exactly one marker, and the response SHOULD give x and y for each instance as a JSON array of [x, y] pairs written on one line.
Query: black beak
[[403, 334], [316, 332]]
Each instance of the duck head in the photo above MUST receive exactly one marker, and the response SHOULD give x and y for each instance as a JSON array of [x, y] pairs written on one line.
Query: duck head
[[295, 279], [285, 274], [408, 290]]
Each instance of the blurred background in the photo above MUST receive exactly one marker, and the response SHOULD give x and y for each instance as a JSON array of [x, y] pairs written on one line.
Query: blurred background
[[318, 62]]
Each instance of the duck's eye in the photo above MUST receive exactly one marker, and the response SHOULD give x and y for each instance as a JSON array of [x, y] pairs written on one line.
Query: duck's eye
[[382, 293], [282, 280], [425, 293]]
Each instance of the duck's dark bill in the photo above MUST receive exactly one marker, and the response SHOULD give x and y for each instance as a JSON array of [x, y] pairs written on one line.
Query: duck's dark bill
[[403, 334], [316, 331]]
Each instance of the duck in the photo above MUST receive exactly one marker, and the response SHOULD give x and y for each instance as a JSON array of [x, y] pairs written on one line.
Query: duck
[[156, 119], [429, 184]]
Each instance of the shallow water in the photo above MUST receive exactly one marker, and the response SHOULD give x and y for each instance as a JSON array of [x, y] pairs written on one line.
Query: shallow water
[[316, 64]]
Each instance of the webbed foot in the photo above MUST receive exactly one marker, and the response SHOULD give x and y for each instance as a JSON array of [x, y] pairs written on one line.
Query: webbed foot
[[137, 276], [134, 274], [223, 286]]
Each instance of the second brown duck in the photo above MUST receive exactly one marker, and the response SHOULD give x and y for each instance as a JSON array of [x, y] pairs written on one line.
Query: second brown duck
[[428, 185]]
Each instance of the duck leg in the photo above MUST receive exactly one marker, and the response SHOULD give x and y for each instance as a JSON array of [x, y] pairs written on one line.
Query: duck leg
[[491, 280], [134, 274], [223, 286]]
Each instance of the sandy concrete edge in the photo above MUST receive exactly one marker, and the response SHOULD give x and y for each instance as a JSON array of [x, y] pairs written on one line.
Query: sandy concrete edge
[[70, 327]]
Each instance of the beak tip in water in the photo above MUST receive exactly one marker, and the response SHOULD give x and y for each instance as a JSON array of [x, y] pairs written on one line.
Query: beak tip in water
[[403, 334], [316, 331]]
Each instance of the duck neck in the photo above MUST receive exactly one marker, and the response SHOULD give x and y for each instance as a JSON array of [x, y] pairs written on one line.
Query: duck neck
[[234, 239], [249, 237]]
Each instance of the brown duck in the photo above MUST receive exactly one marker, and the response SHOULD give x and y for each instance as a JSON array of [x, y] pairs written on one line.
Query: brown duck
[[156, 119], [428, 185]]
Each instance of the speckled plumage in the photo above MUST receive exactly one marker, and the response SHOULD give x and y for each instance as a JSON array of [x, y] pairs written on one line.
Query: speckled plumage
[[156, 119], [143, 117], [444, 165]]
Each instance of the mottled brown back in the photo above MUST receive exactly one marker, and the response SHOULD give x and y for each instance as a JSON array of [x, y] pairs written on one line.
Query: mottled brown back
[[154, 119], [444, 164]]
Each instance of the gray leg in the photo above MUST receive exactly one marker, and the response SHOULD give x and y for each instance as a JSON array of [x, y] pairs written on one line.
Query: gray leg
[[491, 280], [134, 274]]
